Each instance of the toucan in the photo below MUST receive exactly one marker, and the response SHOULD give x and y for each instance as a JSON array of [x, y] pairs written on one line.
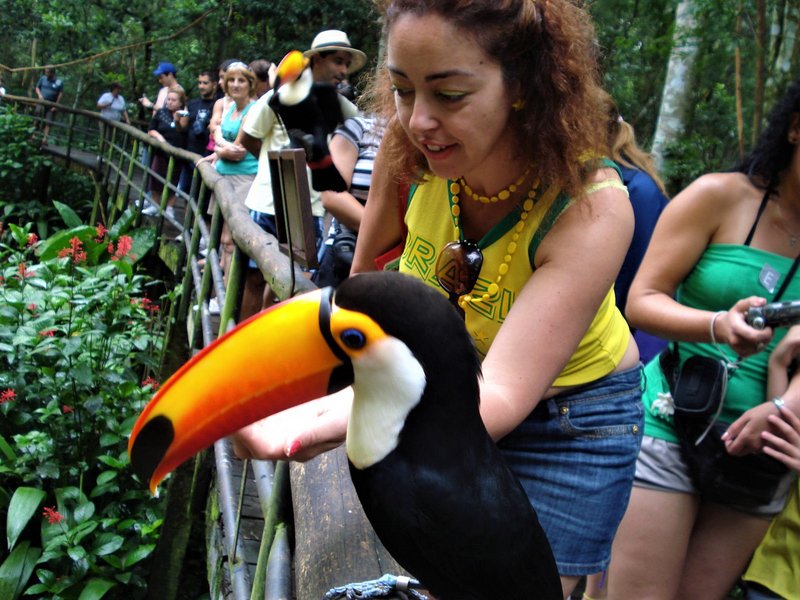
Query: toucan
[[310, 112], [431, 481]]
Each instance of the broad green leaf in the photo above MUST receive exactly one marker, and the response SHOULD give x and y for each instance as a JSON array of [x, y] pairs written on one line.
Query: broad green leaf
[[24, 504], [106, 476], [6, 448], [76, 553], [107, 543], [137, 554], [16, 570], [71, 218], [50, 248], [96, 588]]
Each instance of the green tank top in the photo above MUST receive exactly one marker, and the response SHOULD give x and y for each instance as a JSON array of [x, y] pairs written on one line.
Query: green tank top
[[724, 274]]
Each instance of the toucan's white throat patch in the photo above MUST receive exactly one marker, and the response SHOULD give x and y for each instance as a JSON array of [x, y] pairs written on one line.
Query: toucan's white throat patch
[[296, 91], [388, 384]]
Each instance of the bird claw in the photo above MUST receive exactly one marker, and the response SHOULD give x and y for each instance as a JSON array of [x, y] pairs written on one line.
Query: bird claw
[[377, 588]]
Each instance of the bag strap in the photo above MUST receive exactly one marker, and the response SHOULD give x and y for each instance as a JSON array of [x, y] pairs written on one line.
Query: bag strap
[[787, 279]]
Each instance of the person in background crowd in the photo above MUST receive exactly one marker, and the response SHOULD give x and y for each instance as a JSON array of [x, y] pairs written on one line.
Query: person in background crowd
[[264, 71], [200, 112], [506, 160], [167, 76], [112, 104], [734, 232], [50, 88], [353, 148], [169, 126], [239, 167], [332, 59], [222, 103], [648, 198]]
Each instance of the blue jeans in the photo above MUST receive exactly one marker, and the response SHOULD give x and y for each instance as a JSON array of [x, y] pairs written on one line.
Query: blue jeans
[[575, 455]]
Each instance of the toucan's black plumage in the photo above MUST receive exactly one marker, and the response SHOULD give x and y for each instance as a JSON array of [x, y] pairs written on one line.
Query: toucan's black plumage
[[444, 503], [310, 112], [432, 482]]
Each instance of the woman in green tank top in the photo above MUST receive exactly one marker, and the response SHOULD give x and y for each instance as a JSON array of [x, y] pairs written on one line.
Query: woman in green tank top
[[725, 244]]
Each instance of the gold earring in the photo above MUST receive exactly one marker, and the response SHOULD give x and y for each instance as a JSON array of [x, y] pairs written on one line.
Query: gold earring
[[518, 105]]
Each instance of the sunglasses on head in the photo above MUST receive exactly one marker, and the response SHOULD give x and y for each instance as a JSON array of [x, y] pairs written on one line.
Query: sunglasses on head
[[457, 269]]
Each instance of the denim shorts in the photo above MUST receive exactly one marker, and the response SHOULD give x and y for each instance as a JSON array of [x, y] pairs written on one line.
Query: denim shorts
[[661, 467], [575, 455]]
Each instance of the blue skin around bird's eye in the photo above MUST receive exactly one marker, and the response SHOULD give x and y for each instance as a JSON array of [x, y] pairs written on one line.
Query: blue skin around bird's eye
[[353, 338]]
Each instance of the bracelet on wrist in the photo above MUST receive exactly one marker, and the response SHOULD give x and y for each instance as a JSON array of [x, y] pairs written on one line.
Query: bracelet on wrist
[[714, 322], [778, 402]]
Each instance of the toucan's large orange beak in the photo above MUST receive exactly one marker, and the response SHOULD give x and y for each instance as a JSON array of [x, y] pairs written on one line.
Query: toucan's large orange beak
[[290, 68], [280, 358]]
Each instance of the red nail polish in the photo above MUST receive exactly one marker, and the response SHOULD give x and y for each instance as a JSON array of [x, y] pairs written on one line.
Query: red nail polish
[[294, 448]]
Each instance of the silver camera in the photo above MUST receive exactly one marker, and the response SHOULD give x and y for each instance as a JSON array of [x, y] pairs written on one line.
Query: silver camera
[[775, 314]]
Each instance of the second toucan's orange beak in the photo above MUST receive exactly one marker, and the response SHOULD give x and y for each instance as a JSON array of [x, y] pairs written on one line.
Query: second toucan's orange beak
[[290, 68], [280, 358]]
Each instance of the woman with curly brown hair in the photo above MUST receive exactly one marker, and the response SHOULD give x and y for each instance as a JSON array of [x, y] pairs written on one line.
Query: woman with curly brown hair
[[498, 120]]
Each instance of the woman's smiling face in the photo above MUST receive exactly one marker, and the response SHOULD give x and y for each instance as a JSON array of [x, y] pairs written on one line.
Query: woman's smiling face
[[450, 95]]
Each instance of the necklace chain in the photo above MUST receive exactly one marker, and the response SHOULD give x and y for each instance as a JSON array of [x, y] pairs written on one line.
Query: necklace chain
[[455, 188], [793, 237], [503, 194]]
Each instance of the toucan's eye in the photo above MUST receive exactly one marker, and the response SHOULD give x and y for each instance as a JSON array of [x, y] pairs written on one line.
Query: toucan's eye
[[353, 338]]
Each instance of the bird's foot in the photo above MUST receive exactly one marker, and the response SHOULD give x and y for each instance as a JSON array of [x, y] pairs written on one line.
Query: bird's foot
[[378, 588]]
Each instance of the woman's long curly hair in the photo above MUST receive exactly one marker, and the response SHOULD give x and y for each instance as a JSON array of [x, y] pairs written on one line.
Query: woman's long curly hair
[[773, 152], [548, 54]]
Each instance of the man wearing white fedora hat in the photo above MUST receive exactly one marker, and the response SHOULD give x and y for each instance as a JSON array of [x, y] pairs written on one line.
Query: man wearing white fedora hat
[[333, 58]]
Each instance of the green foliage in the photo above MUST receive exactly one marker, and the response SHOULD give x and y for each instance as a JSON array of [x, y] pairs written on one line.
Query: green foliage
[[635, 40], [712, 143], [21, 169], [20, 163], [79, 340]]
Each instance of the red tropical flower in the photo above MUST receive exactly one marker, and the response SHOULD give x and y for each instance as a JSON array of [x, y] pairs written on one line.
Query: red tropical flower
[[100, 232], [32, 239], [66, 409], [6, 395], [124, 245], [75, 251], [52, 515], [151, 382], [47, 332], [23, 271]]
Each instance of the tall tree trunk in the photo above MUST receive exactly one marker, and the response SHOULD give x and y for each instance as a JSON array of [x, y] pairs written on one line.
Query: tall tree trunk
[[787, 56], [761, 60], [675, 100], [738, 66]]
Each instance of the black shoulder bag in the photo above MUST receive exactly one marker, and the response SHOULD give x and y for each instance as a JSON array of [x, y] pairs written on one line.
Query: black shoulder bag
[[698, 390]]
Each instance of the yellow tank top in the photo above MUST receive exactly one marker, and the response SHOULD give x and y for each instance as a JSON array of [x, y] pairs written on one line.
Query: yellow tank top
[[776, 562], [430, 227]]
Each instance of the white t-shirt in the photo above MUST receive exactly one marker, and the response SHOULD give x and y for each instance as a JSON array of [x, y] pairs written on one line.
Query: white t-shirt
[[115, 110], [262, 123]]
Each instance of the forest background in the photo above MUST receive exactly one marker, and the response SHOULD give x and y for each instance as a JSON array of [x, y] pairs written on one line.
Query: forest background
[[694, 77]]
